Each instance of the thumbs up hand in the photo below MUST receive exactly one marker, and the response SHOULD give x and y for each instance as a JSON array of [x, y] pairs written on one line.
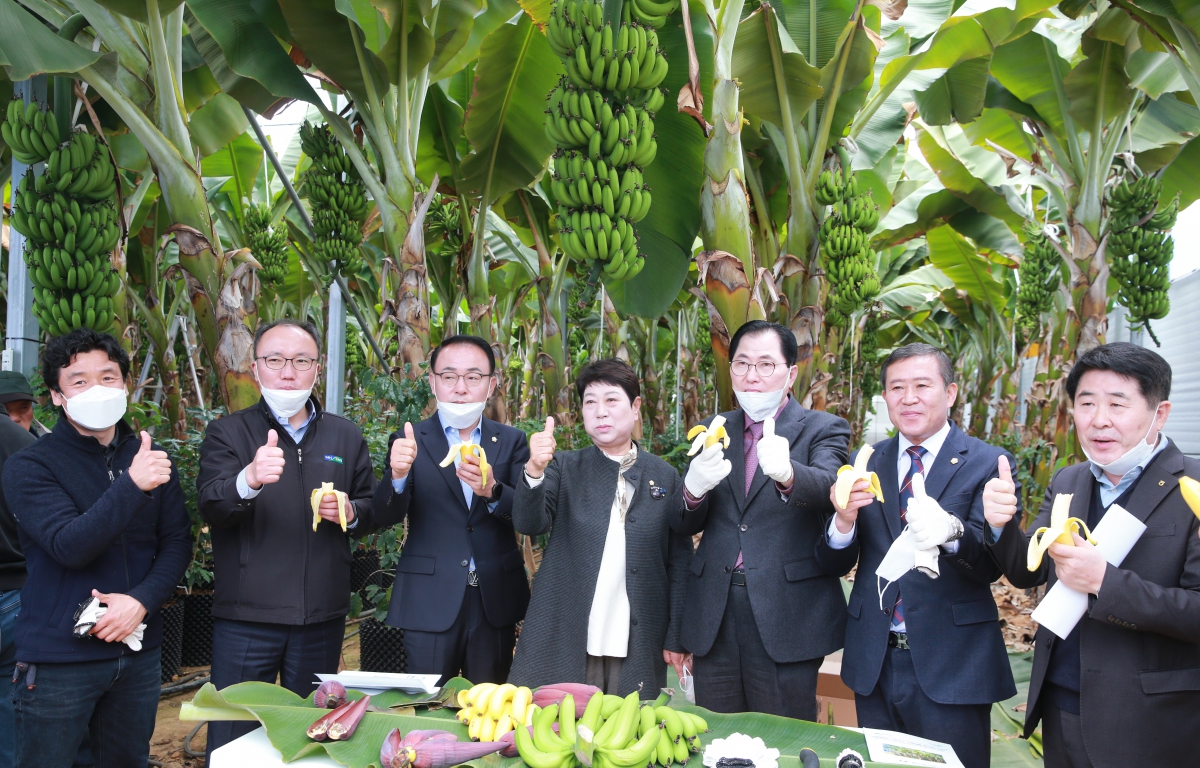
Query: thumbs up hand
[[268, 463], [404, 453], [150, 468], [1000, 496], [774, 454], [931, 525], [541, 449]]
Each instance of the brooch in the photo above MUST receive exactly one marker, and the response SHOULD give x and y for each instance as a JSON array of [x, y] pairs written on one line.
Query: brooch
[[658, 492]]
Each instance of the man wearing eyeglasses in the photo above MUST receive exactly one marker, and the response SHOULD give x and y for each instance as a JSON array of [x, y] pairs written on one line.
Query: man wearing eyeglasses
[[460, 583], [761, 612], [282, 583]]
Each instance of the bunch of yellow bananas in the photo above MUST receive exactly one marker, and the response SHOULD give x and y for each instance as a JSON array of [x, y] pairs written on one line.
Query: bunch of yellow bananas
[[469, 449], [1060, 530], [703, 437], [489, 711], [848, 475], [319, 494]]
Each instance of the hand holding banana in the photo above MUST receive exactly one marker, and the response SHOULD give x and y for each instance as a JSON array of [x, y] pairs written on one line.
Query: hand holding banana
[[711, 467], [541, 449], [473, 468], [332, 505]]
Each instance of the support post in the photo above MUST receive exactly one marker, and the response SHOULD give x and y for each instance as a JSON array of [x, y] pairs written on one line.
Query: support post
[[22, 335], [335, 355]]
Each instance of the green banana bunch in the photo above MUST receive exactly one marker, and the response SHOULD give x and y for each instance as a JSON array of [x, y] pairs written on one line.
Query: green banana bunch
[[31, 132], [268, 245], [338, 198], [356, 360], [1038, 279], [1139, 250], [845, 244]]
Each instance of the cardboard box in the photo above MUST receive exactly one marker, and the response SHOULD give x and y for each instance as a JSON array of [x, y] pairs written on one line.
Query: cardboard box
[[835, 701]]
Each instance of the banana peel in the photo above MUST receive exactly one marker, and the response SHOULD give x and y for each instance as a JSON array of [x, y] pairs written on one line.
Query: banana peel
[[1060, 530], [848, 475], [319, 494], [469, 449], [705, 437], [1191, 493]]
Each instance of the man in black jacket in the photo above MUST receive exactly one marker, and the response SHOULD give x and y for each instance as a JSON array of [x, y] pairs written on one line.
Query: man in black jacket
[[460, 584], [101, 515], [282, 588]]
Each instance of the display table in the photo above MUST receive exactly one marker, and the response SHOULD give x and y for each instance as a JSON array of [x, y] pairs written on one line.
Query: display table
[[254, 750]]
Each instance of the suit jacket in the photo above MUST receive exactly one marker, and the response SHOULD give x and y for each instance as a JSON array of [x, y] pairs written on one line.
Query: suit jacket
[[798, 605], [574, 503], [444, 535], [953, 627], [1139, 692]]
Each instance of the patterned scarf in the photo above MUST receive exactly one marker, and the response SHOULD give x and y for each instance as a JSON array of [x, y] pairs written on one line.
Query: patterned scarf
[[627, 462]]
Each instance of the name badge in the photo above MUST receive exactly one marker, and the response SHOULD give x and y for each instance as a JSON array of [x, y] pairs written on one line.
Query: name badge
[[334, 459], [657, 492]]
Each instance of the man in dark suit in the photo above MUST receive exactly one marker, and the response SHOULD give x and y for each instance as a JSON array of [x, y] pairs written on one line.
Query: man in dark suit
[[761, 613], [927, 657], [1123, 688], [460, 583]]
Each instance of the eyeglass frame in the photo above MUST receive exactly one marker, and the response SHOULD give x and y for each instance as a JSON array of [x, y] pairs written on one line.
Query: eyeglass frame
[[774, 367], [463, 377], [287, 360]]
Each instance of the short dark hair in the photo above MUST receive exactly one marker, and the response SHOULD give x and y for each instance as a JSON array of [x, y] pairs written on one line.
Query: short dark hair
[[609, 371], [303, 325], [1145, 366], [787, 339], [61, 350], [463, 338], [919, 349]]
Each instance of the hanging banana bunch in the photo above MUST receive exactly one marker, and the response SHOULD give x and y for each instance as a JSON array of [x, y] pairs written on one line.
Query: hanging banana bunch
[[601, 116], [845, 239], [269, 245], [338, 198], [1038, 279], [68, 217], [1139, 248]]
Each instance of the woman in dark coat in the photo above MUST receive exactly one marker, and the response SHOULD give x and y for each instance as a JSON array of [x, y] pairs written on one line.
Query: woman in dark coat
[[607, 599]]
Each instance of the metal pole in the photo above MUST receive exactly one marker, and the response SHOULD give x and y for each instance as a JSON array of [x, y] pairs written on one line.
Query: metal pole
[[23, 335], [678, 373], [335, 356], [291, 191], [191, 353]]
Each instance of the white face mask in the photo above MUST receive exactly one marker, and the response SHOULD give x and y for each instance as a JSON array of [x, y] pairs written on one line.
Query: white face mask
[[98, 408], [460, 415], [1121, 465], [286, 402], [759, 405]]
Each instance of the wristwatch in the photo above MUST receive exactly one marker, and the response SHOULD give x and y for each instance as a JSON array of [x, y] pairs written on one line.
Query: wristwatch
[[498, 491], [956, 524]]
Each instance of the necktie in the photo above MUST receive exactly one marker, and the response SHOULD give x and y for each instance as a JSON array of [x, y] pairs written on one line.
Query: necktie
[[754, 433], [915, 452]]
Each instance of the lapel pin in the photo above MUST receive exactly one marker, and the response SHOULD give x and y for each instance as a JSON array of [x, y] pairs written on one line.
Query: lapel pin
[[954, 460], [1161, 483], [651, 482], [493, 438]]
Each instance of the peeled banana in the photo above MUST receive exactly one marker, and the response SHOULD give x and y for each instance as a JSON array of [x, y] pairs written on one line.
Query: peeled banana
[[704, 437], [465, 450], [1060, 530], [1191, 493], [319, 494], [848, 475]]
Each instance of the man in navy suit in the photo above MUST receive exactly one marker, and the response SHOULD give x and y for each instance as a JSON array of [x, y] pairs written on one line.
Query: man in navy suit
[[460, 583], [926, 657]]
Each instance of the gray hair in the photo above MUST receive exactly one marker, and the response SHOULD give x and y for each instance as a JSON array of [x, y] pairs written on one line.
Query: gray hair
[[919, 349]]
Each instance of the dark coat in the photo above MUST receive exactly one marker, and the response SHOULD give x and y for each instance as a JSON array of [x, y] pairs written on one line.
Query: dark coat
[[798, 606], [952, 624], [443, 535], [85, 525], [574, 503], [269, 564], [12, 561], [1139, 692]]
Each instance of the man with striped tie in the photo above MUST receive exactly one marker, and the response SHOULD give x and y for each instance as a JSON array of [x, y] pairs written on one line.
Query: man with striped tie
[[925, 656]]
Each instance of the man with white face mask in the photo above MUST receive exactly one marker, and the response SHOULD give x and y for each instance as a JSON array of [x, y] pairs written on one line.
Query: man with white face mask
[[101, 516], [761, 613], [460, 583], [282, 580], [1123, 688]]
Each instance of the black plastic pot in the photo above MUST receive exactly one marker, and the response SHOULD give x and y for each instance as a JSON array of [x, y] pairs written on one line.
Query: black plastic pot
[[365, 563], [172, 645], [381, 647], [197, 629]]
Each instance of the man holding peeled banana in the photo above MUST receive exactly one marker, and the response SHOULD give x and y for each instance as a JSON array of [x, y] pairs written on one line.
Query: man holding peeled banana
[[761, 613], [460, 583]]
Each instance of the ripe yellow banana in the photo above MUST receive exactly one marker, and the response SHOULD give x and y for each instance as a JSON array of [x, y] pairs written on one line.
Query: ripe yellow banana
[[705, 437], [499, 697], [848, 475], [469, 449], [1060, 529], [319, 494], [1191, 493], [521, 700]]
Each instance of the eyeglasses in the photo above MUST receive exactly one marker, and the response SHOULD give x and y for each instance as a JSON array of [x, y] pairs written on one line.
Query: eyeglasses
[[276, 362], [451, 379], [741, 368]]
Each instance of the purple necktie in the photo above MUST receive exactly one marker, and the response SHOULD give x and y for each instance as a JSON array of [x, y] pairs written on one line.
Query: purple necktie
[[915, 452], [754, 433]]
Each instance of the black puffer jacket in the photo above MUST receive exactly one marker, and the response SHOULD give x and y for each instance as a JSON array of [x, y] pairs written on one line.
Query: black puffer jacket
[[269, 564]]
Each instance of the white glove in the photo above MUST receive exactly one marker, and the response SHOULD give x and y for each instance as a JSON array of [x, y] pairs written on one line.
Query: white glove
[[90, 614], [931, 525], [774, 454], [707, 471]]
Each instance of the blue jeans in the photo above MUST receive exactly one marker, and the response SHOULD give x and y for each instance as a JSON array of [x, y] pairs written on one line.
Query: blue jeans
[[10, 606], [115, 700]]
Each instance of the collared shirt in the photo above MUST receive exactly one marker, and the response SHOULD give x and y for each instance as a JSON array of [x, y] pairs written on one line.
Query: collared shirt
[[297, 434]]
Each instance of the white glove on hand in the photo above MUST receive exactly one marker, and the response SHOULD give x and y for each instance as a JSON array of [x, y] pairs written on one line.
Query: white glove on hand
[[707, 471], [931, 525], [774, 454]]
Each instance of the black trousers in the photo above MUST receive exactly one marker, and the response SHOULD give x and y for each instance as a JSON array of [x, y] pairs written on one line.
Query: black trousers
[[472, 647], [250, 650], [899, 704], [1062, 739], [738, 675]]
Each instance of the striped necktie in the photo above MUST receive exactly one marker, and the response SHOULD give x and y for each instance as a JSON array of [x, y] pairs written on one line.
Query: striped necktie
[[916, 453]]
